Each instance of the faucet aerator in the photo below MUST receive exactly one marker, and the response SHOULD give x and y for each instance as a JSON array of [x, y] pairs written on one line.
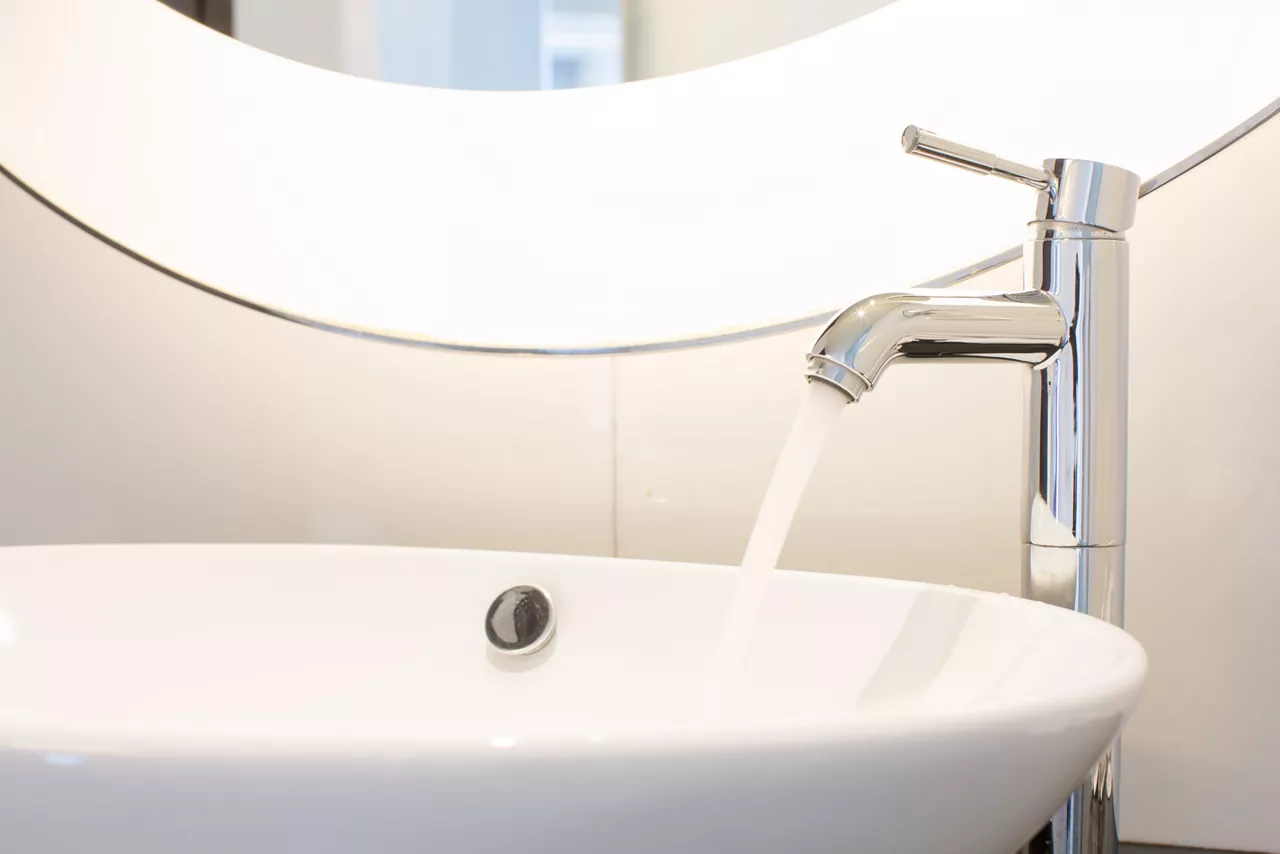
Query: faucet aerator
[[840, 377]]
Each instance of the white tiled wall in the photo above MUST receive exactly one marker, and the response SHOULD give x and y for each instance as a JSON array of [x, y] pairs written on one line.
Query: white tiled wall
[[1203, 752], [135, 409]]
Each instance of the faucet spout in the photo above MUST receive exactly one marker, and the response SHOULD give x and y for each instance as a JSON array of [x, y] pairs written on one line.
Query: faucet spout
[[861, 341]]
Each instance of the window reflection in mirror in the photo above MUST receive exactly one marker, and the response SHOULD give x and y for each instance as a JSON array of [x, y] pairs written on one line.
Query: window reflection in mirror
[[519, 44], [447, 44]]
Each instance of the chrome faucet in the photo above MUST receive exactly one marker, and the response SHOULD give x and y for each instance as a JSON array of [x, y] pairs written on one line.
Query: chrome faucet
[[1070, 325]]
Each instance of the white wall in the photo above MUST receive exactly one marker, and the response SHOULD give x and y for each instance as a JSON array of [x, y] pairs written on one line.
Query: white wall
[[139, 409]]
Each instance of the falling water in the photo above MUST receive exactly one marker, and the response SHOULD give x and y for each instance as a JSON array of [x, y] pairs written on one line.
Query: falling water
[[812, 428], [810, 432]]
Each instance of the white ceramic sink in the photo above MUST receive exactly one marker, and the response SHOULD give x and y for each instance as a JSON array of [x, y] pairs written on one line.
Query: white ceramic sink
[[344, 700]]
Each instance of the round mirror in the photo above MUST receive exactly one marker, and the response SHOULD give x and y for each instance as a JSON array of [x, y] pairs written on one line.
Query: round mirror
[[743, 197], [518, 44]]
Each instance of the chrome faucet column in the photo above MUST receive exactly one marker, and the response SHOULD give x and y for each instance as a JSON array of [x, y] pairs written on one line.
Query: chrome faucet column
[[1078, 433], [1070, 324]]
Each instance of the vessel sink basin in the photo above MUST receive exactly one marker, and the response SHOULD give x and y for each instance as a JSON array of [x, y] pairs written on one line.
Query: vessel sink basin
[[346, 700]]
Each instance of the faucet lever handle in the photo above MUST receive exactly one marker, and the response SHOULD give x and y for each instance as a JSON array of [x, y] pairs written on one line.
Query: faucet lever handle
[[925, 144]]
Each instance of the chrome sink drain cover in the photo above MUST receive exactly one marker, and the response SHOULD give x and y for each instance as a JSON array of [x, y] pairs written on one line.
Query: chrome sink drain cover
[[520, 621]]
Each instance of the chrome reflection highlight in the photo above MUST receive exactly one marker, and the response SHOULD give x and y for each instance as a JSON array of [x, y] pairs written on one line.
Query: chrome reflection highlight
[[1087, 821], [64, 760], [1069, 324], [856, 347], [925, 144]]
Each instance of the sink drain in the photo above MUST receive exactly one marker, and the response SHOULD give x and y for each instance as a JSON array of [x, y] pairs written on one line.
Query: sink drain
[[520, 621]]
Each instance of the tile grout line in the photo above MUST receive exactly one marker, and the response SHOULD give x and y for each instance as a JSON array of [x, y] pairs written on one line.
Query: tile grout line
[[613, 453]]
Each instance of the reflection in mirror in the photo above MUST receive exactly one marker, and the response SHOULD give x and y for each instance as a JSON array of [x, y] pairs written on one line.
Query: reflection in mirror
[[519, 44], [215, 14]]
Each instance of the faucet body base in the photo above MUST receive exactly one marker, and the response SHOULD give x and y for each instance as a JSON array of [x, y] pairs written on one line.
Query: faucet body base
[[1085, 824], [1088, 579]]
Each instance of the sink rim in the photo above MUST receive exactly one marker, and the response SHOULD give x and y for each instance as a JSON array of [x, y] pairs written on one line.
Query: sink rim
[[1113, 693]]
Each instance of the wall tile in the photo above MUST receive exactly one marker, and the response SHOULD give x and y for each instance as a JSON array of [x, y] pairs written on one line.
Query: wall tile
[[1202, 752]]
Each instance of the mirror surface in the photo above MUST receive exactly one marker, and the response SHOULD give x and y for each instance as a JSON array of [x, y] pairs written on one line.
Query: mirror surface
[[519, 44]]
